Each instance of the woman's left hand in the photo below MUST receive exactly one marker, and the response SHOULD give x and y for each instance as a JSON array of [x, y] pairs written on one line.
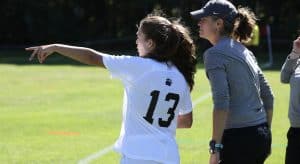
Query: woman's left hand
[[296, 45]]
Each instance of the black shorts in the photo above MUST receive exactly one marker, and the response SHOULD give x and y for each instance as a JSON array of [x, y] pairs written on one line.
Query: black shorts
[[248, 145], [292, 155]]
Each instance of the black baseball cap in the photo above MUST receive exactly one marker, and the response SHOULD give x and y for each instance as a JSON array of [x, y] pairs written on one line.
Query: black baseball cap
[[219, 8]]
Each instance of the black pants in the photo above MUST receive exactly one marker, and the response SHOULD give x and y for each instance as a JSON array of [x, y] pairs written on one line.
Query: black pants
[[249, 145], [292, 155]]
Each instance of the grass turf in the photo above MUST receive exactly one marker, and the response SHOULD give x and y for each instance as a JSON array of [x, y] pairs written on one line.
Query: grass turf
[[62, 113]]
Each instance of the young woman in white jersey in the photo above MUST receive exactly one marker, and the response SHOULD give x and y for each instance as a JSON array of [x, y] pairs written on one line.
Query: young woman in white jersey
[[157, 87]]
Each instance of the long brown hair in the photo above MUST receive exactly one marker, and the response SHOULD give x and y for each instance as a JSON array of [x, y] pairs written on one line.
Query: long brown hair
[[242, 26], [172, 43]]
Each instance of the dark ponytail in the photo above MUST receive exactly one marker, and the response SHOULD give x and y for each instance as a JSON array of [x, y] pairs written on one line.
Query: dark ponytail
[[172, 43], [244, 24], [184, 56]]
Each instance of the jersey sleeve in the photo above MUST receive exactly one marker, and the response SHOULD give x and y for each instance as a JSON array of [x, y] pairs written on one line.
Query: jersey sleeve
[[187, 106], [125, 68]]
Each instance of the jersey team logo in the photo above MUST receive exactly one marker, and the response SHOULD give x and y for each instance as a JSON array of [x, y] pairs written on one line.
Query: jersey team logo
[[168, 82]]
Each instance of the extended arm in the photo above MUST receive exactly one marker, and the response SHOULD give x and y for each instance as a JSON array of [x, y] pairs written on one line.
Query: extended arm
[[81, 54]]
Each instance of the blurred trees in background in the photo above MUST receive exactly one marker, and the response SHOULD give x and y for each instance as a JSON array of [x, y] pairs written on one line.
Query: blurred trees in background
[[97, 22]]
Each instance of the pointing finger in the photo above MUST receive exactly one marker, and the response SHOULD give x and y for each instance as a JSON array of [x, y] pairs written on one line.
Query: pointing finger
[[33, 54], [30, 48]]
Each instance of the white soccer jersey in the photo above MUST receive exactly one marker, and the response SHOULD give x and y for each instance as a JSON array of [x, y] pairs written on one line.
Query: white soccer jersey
[[155, 93]]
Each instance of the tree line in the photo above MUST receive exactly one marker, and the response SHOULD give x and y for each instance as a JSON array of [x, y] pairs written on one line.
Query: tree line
[[114, 21]]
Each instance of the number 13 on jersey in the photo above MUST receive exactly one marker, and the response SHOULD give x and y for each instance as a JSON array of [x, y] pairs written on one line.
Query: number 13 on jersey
[[152, 106]]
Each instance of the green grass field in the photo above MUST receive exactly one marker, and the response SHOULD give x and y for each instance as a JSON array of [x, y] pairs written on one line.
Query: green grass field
[[61, 114]]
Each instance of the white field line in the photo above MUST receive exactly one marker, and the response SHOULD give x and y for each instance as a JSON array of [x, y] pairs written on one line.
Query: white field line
[[96, 155], [109, 148], [201, 99]]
